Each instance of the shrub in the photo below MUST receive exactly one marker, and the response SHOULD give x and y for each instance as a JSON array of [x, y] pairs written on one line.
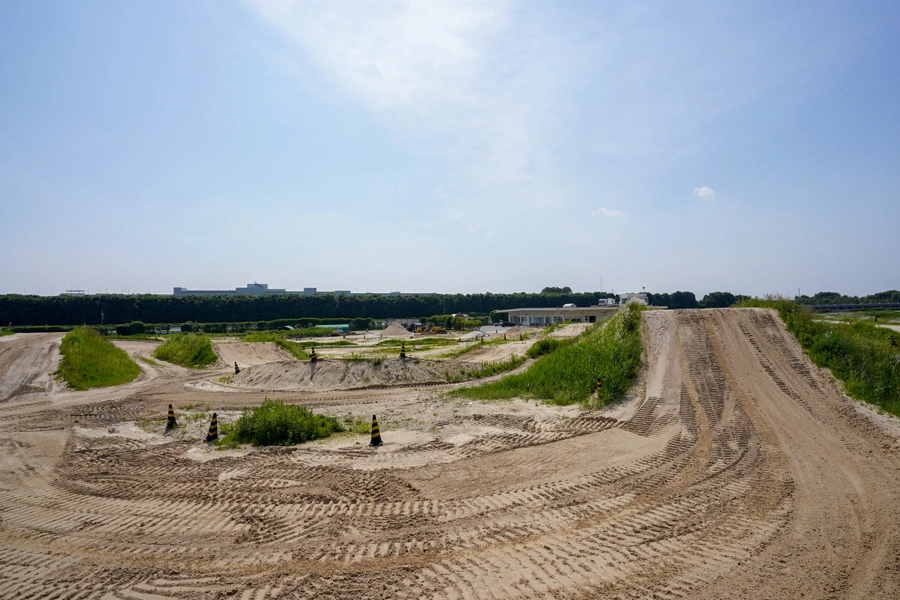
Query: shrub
[[133, 328], [275, 423], [90, 361], [192, 350]]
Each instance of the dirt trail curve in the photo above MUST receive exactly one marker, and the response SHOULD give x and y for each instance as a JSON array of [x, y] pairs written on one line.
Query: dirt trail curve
[[737, 471], [26, 362]]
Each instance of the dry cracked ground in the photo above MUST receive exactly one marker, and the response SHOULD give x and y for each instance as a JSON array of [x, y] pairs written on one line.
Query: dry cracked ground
[[737, 469]]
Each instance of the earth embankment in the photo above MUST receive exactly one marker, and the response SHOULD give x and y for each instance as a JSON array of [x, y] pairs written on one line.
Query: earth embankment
[[737, 470]]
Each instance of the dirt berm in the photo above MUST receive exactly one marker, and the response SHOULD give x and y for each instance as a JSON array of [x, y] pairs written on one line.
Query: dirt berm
[[348, 374], [736, 470]]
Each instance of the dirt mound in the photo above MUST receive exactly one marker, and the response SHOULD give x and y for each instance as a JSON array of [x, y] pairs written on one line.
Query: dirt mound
[[571, 330], [346, 374], [737, 469], [495, 353], [396, 330], [517, 331], [249, 353]]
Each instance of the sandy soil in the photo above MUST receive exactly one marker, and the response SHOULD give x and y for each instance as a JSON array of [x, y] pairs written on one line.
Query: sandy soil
[[248, 354], [736, 470]]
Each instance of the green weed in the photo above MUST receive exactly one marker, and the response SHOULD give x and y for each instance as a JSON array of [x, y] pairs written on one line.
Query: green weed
[[610, 351], [192, 350], [274, 423], [91, 361]]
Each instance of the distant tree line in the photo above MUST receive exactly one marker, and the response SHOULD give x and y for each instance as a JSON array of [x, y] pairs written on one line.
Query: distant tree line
[[250, 311], [836, 298], [688, 300], [22, 310]]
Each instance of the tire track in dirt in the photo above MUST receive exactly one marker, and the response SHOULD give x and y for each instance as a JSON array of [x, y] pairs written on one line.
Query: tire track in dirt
[[708, 487]]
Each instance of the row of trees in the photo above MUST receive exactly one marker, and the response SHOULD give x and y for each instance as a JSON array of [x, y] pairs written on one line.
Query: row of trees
[[114, 308], [22, 310], [836, 298]]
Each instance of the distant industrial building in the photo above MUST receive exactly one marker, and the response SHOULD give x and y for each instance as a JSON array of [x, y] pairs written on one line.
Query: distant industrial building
[[252, 289], [263, 289]]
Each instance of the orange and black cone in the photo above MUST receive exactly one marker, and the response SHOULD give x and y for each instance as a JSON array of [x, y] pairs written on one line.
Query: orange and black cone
[[402, 350], [213, 429], [376, 433], [312, 356], [171, 422], [236, 368], [599, 386]]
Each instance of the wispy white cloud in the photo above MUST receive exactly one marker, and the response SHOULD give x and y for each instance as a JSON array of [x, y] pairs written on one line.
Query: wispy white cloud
[[607, 212], [432, 69], [704, 193]]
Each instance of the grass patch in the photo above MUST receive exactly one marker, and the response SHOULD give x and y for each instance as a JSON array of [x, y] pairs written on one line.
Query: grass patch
[[610, 351], [486, 369], [311, 344], [191, 350], [545, 346], [859, 354], [148, 361], [151, 425], [275, 423], [354, 424], [91, 361], [3, 333]]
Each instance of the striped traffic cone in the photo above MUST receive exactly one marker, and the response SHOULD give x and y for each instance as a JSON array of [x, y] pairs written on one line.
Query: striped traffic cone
[[236, 368], [213, 429], [376, 433], [599, 386], [403, 350], [171, 423], [312, 356]]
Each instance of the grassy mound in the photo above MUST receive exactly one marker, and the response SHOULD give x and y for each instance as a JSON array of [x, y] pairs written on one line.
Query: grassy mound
[[610, 351], [192, 350], [859, 354], [275, 423], [91, 361]]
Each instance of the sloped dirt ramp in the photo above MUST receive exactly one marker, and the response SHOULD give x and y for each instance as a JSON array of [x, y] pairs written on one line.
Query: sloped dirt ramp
[[739, 471]]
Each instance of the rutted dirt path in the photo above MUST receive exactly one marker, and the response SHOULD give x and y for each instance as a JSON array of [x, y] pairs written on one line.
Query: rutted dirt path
[[737, 470]]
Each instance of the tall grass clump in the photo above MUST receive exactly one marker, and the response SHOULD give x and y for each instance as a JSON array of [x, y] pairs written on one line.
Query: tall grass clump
[[859, 354], [274, 423], [544, 346], [192, 350], [89, 361], [610, 351]]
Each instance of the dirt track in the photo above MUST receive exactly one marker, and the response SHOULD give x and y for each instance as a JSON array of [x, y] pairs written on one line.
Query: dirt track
[[737, 470]]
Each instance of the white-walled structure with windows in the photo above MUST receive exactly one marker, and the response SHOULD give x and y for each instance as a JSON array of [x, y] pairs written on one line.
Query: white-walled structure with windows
[[542, 317]]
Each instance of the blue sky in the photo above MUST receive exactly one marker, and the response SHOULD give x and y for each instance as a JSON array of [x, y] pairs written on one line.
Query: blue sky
[[450, 146]]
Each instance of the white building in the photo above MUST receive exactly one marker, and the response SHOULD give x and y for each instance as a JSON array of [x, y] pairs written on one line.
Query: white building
[[541, 317]]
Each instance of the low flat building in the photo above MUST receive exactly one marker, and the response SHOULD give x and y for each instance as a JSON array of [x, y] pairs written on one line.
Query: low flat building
[[542, 317]]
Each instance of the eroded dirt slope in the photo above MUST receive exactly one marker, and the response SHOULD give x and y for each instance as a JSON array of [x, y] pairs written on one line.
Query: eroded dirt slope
[[737, 471]]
